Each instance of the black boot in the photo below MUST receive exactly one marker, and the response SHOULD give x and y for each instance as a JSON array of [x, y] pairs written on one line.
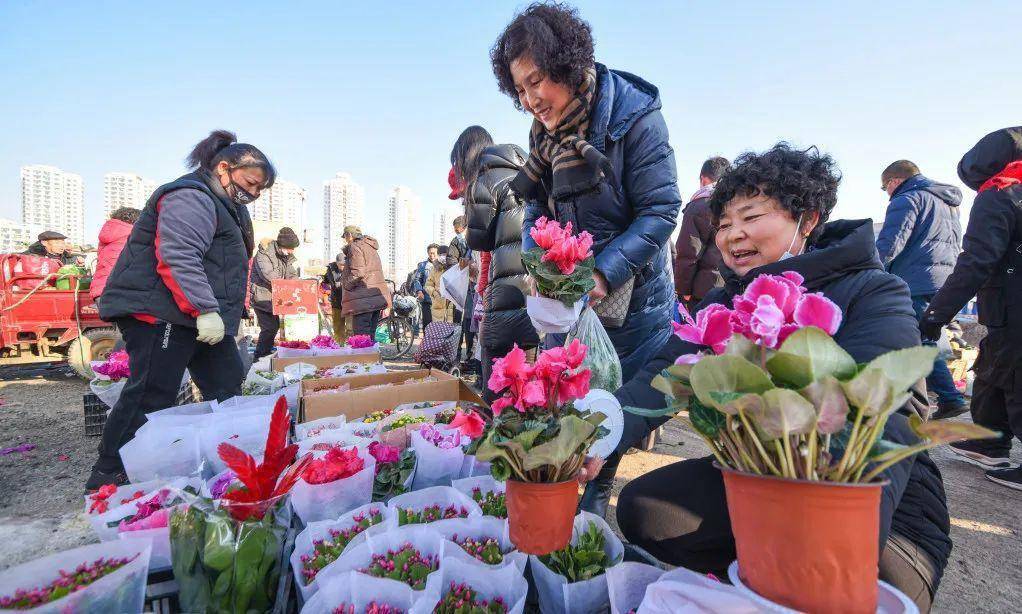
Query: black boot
[[102, 478], [596, 497]]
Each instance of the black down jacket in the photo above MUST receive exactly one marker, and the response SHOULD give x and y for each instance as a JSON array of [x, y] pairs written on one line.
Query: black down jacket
[[877, 318], [630, 215], [495, 217], [990, 267]]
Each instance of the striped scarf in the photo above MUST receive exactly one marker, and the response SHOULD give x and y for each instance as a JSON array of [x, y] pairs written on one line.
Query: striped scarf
[[576, 165]]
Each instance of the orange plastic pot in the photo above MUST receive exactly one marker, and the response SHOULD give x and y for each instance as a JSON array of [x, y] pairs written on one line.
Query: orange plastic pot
[[540, 516], [809, 546]]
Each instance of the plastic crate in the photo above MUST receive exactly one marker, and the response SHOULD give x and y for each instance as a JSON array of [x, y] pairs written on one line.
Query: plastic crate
[[95, 411]]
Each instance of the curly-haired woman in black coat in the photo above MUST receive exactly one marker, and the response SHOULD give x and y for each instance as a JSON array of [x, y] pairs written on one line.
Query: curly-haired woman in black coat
[[495, 216]]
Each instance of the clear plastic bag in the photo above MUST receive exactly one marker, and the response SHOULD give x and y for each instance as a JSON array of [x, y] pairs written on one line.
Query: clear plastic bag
[[313, 502], [107, 391], [489, 583], [479, 528], [418, 500], [601, 359], [223, 565], [337, 437], [305, 430], [305, 542], [254, 401], [162, 453], [626, 585], [122, 590], [359, 590], [557, 596], [427, 541], [437, 467], [258, 384]]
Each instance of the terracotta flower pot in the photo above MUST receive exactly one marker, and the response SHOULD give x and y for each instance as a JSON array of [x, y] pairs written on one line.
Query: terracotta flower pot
[[809, 546], [540, 516]]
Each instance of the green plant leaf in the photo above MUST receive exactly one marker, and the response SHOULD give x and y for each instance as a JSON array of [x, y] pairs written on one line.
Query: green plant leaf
[[727, 374], [831, 405], [573, 434], [783, 412], [669, 410], [883, 449], [732, 402], [674, 381], [740, 345], [903, 368], [706, 420], [870, 391], [808, 355]]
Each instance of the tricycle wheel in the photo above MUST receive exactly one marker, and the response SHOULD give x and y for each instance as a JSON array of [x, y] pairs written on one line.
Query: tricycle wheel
[[93, 344]]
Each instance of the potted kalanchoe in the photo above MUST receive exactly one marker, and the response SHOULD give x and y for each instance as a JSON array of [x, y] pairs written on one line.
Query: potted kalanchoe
[[226, 553], [796, 427], [538, 441], [561, 265]]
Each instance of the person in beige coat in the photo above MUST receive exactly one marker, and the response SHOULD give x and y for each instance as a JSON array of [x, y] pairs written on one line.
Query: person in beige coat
[[442, 309]]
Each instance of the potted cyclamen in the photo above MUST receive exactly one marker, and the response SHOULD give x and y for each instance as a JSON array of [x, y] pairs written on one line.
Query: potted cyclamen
[[561, 266], [538, 441], [795, 426]]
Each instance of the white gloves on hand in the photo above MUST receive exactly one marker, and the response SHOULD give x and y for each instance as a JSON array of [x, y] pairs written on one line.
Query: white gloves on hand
[[211, 328]]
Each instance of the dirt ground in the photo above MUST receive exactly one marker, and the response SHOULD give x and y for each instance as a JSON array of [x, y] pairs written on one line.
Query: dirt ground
[[41, 492]]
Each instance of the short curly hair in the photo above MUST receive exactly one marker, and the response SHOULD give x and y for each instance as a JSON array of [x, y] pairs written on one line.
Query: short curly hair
[[554, 36], [801, 180]]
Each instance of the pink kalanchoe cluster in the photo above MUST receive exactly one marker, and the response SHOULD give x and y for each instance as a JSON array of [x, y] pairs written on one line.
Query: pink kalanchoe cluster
[[483, 549], [460, 598], [115, 367], [324, 342], [406, 564], [293, 345], [560, 247], [442, 439], [68, 582], [767, 313], [371, 608], [554, 380], [430, 513], [360, 341], [384, 453], [326, 551]]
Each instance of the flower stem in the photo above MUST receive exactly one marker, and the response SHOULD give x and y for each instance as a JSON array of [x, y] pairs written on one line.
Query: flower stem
[[848, 446], [759, 447]]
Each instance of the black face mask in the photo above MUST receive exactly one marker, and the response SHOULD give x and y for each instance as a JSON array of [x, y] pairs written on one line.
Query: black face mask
[[241, 196]]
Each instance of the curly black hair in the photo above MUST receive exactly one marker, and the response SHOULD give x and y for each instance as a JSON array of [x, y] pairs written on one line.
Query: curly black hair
[[801, 180], [554, 36]]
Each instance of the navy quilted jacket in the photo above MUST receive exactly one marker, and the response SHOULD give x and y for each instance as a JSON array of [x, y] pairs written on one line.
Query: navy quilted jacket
[[631, 216]]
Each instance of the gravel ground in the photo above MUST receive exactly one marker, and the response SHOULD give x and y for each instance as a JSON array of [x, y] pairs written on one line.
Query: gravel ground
[[41, 492]]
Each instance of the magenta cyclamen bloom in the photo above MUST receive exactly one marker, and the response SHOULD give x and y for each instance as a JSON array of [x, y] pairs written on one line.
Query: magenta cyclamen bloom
[[325, 342], [360, 341]]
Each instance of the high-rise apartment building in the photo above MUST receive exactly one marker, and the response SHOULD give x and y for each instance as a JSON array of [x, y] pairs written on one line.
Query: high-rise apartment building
[[283, 202], [443, 223], [125, 190], [401, 245], [343, 201], [54, 200], [16, 236]]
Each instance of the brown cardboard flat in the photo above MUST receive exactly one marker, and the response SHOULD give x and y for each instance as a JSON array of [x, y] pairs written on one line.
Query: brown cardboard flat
[[324, 362], [361, 400]]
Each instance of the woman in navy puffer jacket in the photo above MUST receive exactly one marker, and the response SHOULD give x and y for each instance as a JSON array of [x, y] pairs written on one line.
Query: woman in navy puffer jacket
[[600, 159]]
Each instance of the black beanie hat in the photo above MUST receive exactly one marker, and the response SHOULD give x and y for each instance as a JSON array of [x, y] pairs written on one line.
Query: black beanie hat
[[287, 238]]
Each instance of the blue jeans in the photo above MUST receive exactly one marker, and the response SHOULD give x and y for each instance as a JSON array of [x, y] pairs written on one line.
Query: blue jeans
[[939, 380]]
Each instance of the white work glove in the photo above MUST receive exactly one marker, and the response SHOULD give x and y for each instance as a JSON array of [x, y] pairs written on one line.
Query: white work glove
[[211, 328]]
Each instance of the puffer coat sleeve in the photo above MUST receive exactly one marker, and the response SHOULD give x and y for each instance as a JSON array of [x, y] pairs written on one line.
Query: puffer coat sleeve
[[650, 180]]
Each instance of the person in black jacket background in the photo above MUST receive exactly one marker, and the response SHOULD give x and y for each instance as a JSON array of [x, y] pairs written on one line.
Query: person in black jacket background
[[771, 210], [494, 216], [989, 268]]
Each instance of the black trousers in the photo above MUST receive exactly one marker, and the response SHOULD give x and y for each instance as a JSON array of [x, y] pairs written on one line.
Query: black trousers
[[269, 326], [997, 409], [678, 513], [158, 355], [366, 323], [426, 310]]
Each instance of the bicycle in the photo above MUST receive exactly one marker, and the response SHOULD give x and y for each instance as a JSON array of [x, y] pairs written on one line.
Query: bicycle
[[396, 332]]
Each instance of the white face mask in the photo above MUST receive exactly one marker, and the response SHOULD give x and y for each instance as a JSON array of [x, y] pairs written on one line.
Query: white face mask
[[787, 254]]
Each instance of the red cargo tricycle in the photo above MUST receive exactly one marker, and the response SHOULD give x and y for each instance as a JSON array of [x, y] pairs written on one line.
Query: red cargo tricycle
[[46, 316]]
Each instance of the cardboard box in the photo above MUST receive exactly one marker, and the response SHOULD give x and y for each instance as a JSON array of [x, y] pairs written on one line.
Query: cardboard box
[[359, 401], [324, 362]]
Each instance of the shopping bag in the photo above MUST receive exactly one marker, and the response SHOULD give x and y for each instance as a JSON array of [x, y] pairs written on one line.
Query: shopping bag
[[601, 357], [550, 315], [454, 285]]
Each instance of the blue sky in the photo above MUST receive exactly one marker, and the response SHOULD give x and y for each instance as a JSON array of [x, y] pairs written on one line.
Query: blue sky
[[381, 90]]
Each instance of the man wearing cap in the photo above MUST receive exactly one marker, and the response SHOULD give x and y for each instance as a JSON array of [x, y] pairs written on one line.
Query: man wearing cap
[[274, 260], [52, 244], [365, 290]]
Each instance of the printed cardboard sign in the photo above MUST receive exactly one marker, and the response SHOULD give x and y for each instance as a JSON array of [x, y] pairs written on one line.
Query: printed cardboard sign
[[294, 296]]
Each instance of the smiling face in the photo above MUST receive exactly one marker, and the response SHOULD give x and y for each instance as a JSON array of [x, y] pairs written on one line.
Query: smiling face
[[538, 93], [754, 231]]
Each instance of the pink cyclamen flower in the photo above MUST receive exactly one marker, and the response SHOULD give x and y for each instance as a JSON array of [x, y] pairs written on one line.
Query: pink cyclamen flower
[[711, 327], [547, 233], [689, 359], [360, 341], [570, 251], [782, 288], [766, 322], [384, 453], [819, 311]]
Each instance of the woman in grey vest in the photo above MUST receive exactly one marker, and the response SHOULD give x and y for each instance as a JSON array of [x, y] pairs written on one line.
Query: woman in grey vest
[[177, 292]]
